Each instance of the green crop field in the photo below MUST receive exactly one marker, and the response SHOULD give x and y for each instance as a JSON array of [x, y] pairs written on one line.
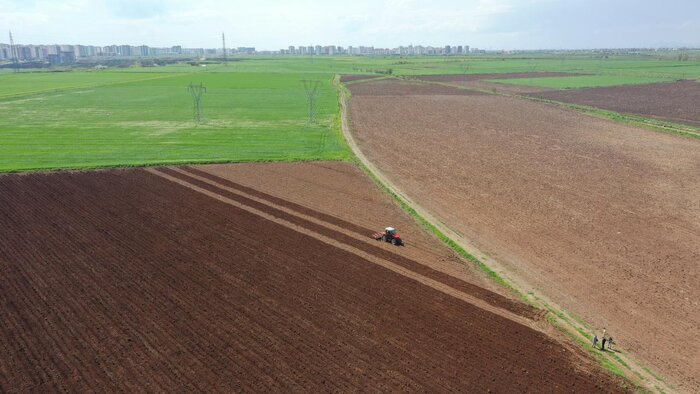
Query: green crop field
[[255, 108], [90, 119]]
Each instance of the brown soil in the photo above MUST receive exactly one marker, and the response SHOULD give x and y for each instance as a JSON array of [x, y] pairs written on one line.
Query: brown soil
[[138, 280], [480, 81], [350, 78], [675, 102], [604, 218], [482, 77], [394, 87]]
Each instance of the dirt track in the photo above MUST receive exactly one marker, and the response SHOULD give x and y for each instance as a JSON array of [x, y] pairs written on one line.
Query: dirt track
[[675, 102], [602, 217], [126, 280]]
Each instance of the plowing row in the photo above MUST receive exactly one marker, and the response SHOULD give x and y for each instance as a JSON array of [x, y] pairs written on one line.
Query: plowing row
[[139, 280]]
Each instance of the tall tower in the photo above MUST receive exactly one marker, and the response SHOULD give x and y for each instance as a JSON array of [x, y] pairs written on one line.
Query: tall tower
[[223, 41], [14, 53]]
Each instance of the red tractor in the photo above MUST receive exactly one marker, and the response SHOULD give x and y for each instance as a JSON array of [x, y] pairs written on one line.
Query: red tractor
[[389, 235]]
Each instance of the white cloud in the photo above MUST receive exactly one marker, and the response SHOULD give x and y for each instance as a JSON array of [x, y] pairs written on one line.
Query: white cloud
[[272, 24]]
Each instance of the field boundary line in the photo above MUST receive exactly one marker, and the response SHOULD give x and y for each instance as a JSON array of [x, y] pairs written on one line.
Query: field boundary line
[[277, 201], [437, 285], [573, 327], [290, 211], [11, 96], [624, 118]]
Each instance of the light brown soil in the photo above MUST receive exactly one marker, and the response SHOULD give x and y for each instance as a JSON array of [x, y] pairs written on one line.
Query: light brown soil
[[482, 77], [393, 87], [675, 102], [179, 280], [358, 77], [602, 217], [480, 81]]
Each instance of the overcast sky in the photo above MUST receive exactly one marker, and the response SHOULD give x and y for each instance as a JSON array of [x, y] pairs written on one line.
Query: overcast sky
[[274, 24]]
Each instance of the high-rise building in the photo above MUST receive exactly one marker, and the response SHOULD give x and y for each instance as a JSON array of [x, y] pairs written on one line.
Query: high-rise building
[[124, 50]]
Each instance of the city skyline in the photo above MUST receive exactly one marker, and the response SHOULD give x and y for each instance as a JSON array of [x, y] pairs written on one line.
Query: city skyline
[[68, 54], [271, 25]]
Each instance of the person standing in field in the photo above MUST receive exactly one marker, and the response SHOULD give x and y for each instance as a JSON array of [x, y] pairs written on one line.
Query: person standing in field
[[604, 339], [595, 340]]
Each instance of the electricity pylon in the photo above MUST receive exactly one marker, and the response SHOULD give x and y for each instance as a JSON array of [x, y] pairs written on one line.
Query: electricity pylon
[[311, 89], [197, 91]]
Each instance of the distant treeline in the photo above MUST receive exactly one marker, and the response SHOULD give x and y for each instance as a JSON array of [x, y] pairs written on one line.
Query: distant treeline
[[386, 71]]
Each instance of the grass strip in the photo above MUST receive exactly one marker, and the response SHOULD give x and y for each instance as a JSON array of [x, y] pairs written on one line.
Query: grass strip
[[633, 120], [171, 163]]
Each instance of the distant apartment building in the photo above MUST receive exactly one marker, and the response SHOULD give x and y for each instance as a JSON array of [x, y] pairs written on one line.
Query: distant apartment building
[[124, 50], [68, 54]]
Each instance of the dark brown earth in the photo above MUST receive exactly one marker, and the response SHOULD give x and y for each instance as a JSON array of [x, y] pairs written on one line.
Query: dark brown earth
[[602, 217], [677, 102], [135, 280]]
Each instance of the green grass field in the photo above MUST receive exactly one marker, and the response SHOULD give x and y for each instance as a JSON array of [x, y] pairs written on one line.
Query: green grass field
[[88, 119], [255, 108]]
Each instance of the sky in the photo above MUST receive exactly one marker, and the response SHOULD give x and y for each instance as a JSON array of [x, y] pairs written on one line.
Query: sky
[[275, 24]]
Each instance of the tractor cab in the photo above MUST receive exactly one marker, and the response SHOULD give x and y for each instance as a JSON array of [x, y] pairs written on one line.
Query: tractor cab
[[389, 235]]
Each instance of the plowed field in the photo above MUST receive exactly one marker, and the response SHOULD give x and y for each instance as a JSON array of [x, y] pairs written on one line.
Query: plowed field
[[481, 81], [482, 77], [207, 279], [602, 217], [674, 102], [359, 77], [390, 87]]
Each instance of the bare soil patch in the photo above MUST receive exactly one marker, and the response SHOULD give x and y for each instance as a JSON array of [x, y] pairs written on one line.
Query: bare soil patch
[[480, 81], [395, 87], [603, 217], [675, 102], [482, 77], [124, 280], [358, 77]]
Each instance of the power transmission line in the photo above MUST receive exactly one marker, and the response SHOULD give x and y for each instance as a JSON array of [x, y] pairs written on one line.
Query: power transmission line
[[197, 91], [311, 89]]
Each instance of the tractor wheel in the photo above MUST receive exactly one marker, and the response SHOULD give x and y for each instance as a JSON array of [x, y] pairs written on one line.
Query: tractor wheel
[[394, 241], [383, 238]]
